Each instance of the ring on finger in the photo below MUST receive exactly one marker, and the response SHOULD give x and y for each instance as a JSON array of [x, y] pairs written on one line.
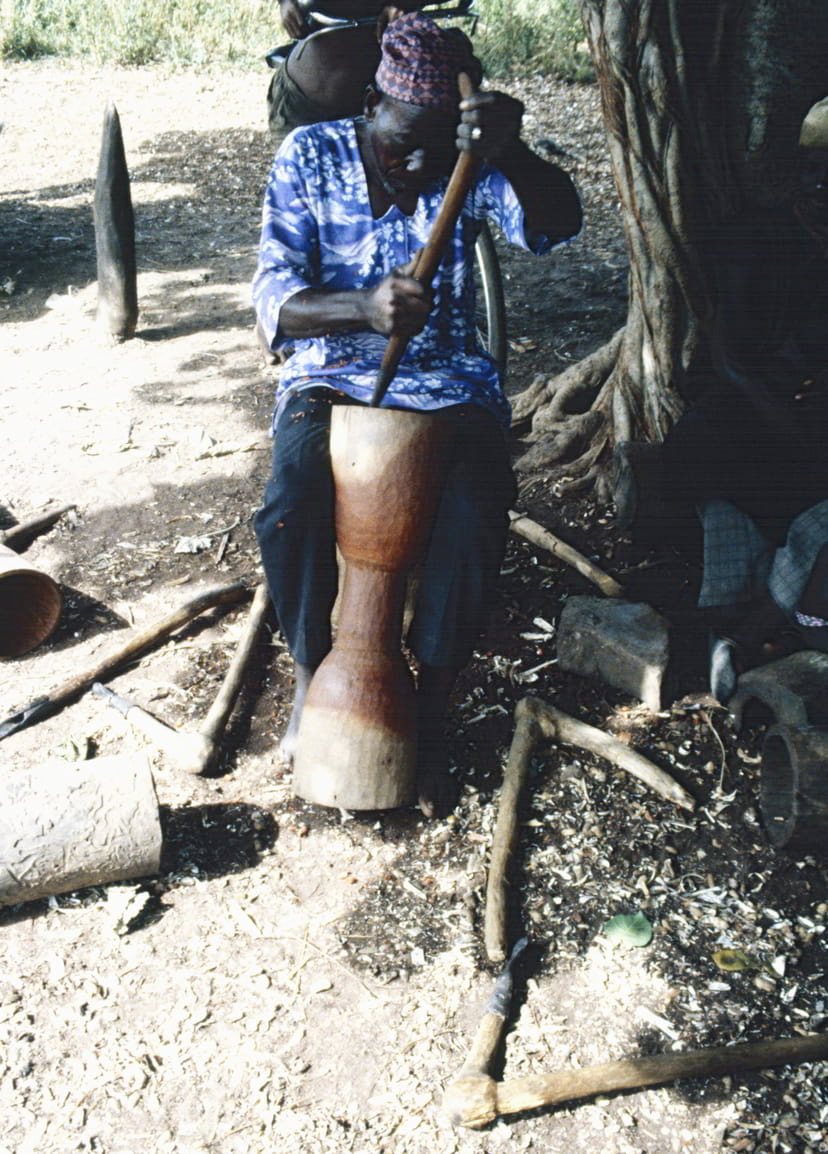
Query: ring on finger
[[477, 132]]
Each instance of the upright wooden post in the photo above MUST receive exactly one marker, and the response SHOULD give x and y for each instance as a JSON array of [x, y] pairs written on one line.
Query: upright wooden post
[[115, 236]]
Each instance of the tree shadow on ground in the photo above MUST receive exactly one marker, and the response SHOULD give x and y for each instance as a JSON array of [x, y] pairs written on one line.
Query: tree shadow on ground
[[215, 840], [81, 618]]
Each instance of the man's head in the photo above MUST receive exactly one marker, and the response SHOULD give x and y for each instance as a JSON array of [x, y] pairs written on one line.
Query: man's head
[[413, 108]]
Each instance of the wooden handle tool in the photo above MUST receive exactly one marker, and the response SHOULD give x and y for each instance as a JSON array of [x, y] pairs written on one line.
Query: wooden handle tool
[[430, 256]]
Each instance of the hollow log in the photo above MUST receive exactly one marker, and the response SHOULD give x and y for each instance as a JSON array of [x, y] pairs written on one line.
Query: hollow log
[[30, 605], [67, 825], [794, 789]]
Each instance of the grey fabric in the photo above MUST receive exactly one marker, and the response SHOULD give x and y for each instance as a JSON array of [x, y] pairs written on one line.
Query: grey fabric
[[737, 558], [793, 563], [287, 105], [740, 564]]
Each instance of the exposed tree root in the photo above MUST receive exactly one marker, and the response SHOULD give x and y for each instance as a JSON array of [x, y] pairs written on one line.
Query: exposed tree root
[[571, 392], [585, 412]]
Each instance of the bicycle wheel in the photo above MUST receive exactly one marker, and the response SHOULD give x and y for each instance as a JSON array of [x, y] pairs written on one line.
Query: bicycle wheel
[[491, 306]]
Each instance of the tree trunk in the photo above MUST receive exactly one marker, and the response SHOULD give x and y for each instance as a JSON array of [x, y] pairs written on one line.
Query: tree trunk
[[702, 105]]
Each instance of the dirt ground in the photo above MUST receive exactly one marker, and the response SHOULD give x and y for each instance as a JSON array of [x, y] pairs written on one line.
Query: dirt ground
[[307, 980]]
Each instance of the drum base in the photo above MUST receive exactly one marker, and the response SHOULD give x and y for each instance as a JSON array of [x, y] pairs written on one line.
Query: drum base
[[346, 762]]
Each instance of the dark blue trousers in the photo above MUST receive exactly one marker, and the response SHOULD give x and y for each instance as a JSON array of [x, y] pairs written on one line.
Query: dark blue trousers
[[295, 529]]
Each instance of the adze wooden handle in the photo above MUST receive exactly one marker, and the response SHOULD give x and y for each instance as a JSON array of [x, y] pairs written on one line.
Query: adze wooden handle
[[430, 256]]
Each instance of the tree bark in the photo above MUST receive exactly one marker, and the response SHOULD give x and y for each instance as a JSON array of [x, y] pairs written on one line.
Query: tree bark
[[702, 106]]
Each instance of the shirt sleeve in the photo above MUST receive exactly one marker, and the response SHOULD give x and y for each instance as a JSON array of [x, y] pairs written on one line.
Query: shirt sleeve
[[289, 246], [496, 199]]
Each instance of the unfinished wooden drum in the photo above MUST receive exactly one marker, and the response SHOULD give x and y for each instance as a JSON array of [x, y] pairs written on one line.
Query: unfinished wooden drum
[[30, 605], [357, 741]]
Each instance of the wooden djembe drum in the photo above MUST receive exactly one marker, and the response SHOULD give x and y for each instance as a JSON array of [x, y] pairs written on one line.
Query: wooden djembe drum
[[357, 741]]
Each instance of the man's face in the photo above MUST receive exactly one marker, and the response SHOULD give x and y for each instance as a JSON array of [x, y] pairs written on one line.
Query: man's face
[[413, 147]]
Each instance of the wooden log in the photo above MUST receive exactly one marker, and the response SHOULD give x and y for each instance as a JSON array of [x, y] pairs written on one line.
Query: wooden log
[[476, 1102], [19, 536], [117, 313], [196, 751], [527, 734], [794, 789], [68, 825], [30, 605]]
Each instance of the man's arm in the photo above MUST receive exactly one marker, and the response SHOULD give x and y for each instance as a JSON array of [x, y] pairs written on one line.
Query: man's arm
[[398, 306], [490, 127]]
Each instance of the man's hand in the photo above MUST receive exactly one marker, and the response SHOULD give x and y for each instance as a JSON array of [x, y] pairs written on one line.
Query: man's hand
[[490, 126], [399, 305], [293, 19]]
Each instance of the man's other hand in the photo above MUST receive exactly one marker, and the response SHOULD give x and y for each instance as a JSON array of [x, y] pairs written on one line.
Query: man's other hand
[[489, 125], [392, 12]]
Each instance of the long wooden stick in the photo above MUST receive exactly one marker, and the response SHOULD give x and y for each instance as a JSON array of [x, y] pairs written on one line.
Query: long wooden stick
[[473, 1093], [430, 256], [538, 535], [45, 706], [18, 535], [535, 720], [468, 1105]]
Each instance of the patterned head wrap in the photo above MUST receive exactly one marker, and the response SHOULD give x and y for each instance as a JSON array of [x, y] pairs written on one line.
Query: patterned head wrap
[[419, 63]]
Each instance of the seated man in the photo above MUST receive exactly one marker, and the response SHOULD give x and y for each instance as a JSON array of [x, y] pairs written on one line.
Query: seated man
[[348, 204], [750, 454], [324, 76]]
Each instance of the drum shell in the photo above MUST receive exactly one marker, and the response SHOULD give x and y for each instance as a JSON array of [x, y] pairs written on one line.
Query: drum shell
[[30, 605], [357, 741]]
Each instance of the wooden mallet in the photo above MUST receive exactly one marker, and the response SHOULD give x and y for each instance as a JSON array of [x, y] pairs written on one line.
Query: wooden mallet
[[429, 257]]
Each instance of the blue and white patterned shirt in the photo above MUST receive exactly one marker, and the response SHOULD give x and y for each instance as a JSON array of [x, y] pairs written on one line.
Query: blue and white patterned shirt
[[318, 232]]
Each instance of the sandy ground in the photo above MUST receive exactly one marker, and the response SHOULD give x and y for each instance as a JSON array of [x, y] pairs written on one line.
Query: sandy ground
[[295, 980]]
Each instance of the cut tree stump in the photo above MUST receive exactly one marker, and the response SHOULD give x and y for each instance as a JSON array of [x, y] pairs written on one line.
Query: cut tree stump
[[66, 825]]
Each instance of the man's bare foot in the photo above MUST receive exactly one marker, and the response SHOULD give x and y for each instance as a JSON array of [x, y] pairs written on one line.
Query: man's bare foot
[[436, 786], [302, 678]]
